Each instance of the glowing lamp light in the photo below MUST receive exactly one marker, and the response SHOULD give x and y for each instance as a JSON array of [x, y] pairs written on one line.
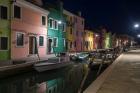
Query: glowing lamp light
[[59, 22], [96, 35], [138, 35], [136, 26]]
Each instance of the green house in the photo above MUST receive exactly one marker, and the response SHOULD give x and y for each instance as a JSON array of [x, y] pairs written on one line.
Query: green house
[[108, 39], [56, 29], [5, 29]]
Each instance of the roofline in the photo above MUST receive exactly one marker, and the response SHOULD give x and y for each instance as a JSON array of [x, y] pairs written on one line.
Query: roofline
[[72, 14], [32, 6]]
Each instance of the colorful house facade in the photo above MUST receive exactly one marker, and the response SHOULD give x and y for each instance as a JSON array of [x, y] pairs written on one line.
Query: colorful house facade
[[29, 30], [79, 33], [96, 40], [5, 29], [108, 38], [69, 31], [89, 40], [56, 29]]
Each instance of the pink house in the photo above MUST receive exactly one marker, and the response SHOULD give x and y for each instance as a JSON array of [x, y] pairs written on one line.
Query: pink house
[[29, 30], [79, 33]]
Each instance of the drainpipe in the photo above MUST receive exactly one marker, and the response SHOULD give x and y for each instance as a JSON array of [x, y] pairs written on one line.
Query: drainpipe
[[10, 27]]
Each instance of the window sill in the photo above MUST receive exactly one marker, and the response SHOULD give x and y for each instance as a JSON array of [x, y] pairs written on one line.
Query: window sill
[[4, 50]]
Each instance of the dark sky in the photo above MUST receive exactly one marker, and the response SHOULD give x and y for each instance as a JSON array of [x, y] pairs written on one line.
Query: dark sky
[[117, 15]]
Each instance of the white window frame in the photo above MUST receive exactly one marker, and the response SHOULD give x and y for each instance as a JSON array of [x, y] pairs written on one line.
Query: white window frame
[[64, 42], [43, 40], [52, 23], [7, 43], [7, 12], [20, 11], [56, 42], [23, 38], [64, 30], [56, 24]]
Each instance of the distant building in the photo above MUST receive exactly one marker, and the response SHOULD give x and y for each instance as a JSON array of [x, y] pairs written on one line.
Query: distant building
[[79, 24], [74, 32], [123, 40], [89, 40], [108, 39], [70, 38], [96, 42]]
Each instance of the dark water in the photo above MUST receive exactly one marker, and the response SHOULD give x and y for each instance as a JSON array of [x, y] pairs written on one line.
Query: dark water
[[64, 80]]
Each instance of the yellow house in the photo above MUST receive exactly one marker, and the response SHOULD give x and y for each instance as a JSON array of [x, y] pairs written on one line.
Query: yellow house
[[89, 40], [70, 39]]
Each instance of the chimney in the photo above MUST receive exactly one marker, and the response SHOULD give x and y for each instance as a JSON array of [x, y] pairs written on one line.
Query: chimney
[[60, 5], [79, 13]]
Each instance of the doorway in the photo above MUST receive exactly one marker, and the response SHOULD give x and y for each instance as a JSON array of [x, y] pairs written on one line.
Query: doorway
[[50, 45], [32, 45]]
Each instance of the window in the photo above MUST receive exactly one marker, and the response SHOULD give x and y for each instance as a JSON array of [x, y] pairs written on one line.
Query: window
[[17, 12], [70, 30], [41, 41], [64, 42], [82, 22], [20, 39], [71, 19], [75, 44], [55, 24], [63, 27], [77, 33], [51, 23], [70, 44], [82, 34], [3, 12], [50, 91], [3, 43], [75, 20], [87, 44], [43, 20], [55, 42]]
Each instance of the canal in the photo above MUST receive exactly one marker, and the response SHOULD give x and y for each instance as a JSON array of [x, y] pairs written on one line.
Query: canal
[[64, 80]]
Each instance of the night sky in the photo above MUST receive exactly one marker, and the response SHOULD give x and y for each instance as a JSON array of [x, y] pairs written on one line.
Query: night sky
[[118, 16]]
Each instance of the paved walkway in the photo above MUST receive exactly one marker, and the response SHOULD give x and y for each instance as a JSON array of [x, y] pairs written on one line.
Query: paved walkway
[[123, 76]]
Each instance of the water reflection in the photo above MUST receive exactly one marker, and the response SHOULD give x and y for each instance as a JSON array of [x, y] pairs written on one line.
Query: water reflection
[[64, 80]]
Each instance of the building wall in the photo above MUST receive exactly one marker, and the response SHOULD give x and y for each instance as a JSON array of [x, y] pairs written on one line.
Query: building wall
[[31, 25], [89, 40], [79, 33], [69, 31], [96, 44], [5, 31], [108, 40], [52, 33]]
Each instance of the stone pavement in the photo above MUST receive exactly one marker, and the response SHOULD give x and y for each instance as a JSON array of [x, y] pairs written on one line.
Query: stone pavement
[[123, 76]]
